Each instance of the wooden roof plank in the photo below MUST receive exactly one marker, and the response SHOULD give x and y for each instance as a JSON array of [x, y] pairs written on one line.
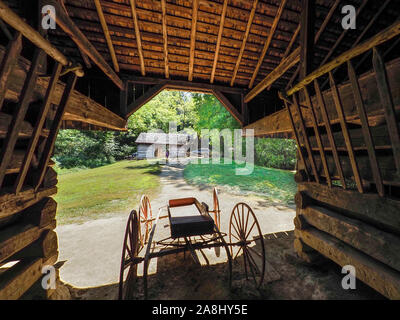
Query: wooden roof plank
[[268, 41], [193, 38], [137, 34], [221, 28], [249, 22], [107, 35]]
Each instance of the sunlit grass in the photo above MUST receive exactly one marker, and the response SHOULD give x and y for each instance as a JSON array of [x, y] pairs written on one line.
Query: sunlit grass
[[273, 184], [87, 194]]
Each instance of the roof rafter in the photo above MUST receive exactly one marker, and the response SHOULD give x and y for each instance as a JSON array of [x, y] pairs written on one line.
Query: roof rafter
[[221, 28], [268, 42], [107, 35], [246, 35], [165, 36], [193, 38], [137, 35]]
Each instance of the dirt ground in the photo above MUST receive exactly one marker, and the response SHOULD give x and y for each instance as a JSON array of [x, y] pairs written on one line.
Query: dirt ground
[[90, 255]]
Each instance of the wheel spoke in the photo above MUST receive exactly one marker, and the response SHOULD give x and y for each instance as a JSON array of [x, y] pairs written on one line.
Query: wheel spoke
[[251, 268], [252, 260], [255, 252], [237, 253], [252, 226]]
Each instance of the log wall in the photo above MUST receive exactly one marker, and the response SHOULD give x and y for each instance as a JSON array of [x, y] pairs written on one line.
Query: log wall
[[348, 199]]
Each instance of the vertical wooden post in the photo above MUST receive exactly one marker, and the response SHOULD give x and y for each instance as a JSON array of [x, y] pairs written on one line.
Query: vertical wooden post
[[51, 139], [38, 128], [365, 128], [19, 113], [307, 21], [10, 58], [123, 100], [345, 131], [388, 106]]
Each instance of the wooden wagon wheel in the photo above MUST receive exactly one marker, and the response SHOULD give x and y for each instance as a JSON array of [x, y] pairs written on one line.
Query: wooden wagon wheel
[[217, 211], [243, 229], [130, 251], [145, 219]]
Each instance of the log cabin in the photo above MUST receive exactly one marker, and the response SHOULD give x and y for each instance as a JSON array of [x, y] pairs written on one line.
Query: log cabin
[[293, 68]]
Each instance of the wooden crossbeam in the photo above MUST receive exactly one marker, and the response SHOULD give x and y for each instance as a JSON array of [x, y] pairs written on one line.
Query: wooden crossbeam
[[107, 35], [138, 37], [193, 38], [285, 65], [19, 113], [221, 29], [228, 106], [246, 35], [146, 97], [366, 130], [12, 53], [268, 41], [376, 40], [51, 139], [165, 36], [345, 131], [41, 117]]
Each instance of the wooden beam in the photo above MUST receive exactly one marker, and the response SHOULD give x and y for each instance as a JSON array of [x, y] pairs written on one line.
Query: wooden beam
[[51, 139], [285, 65], [107, 35], [268, 41], [246, 35], [165, 36], [193, 38], [277, 122], [91, 112], [228, 106], [143, 99], [8, 63], [306, 37], [20, 113], [221, 29], [375, 274], [381, 212], [380, 245], [376, 40], [137, 35], [69, 27], [41, 117]]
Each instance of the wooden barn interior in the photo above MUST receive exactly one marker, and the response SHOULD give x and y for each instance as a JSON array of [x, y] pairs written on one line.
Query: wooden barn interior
[[280, 67]]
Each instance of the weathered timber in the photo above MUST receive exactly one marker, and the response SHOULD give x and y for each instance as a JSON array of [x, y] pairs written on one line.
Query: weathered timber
[[15, 281], [374, 273], [137, 35], [277, 122], [143, 99], [307, 253], [368, 207], [69, 27], [165, 36], [195, 8], [228, 106], [378, 244], [5, 120], [92, 112], [376, 40], [11, 203], [16, 161], [8, 63], [16, 237], [285, 65]]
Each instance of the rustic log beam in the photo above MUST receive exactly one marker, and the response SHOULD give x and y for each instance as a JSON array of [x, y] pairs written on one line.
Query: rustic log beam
[[8, 63], [285, 65], [380, 212], [51, 139], [165, 36], [137, 35], [5, 120], [37, 129], [17, 160], [218, 46], [378, 244], [228, 106], [268, 41], [92, 112], [143, 99], [307, 21], [243, 46], [69, 27], [195, 9], [375, 274], [376, 40], [106, 35], [277, 122], [19, 114]]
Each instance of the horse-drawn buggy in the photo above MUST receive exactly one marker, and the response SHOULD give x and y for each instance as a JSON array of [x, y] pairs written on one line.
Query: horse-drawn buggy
[[197, 229]]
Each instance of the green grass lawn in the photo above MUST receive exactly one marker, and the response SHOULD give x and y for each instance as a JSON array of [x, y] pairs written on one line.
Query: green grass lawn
[[87, 194], [273, 184]]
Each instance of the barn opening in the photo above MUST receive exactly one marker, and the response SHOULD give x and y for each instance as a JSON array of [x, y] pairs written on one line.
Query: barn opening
[[280, 68]]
